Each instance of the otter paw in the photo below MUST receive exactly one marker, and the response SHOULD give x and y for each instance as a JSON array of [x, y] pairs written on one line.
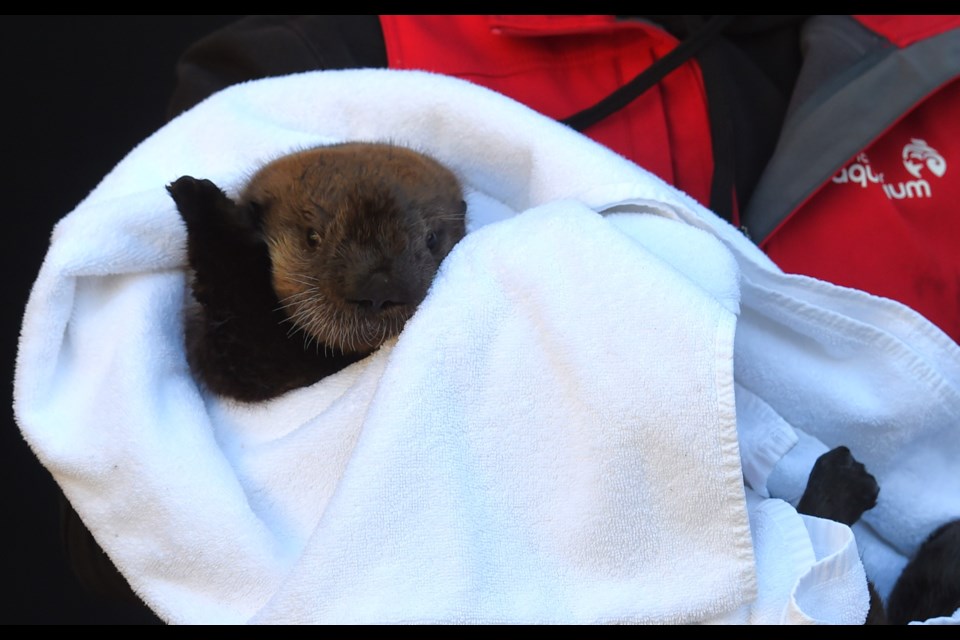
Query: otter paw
[[839, 488], [200, 202]]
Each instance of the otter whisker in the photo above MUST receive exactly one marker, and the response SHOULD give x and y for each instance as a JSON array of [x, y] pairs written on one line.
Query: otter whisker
[[304, 279], [295, 298], [295, 304], [297, 319], [310, 290]]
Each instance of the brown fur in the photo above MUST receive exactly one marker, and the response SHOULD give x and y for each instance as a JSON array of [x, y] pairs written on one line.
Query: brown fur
[[347, 227], [328, 253]]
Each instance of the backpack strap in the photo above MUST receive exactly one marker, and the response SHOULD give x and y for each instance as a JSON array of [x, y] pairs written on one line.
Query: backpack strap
[[650, 76]]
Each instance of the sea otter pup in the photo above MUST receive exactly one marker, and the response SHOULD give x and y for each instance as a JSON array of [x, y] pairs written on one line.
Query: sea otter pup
[[325, 255]]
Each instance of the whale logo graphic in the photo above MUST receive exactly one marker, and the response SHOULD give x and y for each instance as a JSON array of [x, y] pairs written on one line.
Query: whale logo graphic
[[917, 154]]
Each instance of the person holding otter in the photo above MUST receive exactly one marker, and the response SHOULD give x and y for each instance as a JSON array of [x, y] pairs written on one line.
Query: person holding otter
[[793, 128], [804, 132]]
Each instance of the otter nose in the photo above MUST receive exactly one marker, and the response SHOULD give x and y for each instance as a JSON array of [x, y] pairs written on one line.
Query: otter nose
[[379, 292]]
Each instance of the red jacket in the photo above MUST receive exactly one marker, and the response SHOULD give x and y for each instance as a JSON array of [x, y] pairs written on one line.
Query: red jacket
[[861, 189]]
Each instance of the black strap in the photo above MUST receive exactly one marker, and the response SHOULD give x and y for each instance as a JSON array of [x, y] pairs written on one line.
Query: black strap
[[649, 76], [718, 84]]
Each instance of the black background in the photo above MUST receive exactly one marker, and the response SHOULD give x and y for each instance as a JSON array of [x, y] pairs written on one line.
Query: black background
[[78, 93]]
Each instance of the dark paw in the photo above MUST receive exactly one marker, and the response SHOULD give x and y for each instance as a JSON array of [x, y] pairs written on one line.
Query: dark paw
[[839, 488], [199, 202], [929, 586]]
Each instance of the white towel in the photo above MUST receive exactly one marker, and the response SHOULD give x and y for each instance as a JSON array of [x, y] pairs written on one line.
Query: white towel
[[554, 436]]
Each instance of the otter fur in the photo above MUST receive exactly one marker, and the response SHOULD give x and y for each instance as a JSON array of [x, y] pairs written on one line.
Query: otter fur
[[326, 254], [840, 488]]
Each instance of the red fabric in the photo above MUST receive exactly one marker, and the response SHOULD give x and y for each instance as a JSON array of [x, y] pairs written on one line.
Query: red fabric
[[905, 30], [560, 65], [883, 230], [878, 227]]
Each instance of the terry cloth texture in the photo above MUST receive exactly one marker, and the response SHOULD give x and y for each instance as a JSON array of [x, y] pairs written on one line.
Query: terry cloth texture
[[555, 437]]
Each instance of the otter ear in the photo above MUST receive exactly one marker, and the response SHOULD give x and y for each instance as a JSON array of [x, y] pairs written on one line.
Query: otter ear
[[208, 212]]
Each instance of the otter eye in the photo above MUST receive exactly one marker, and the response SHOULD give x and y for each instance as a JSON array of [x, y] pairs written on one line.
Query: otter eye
[[431, 240], [313, 238]]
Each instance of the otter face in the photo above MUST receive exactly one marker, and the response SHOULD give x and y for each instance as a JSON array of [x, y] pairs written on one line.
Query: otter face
[[356, 233]]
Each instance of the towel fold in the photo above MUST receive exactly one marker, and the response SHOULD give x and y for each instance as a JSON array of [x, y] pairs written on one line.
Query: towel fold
[[552, 439]]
